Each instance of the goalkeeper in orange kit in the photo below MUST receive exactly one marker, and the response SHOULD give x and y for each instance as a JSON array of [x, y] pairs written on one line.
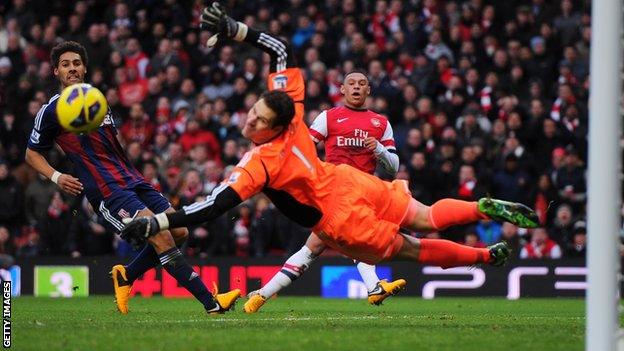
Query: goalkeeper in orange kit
[[353, 212]]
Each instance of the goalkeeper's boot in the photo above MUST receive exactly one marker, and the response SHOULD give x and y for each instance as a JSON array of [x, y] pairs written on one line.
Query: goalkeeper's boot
[[254, 303], [385, 289], [499, 254], [505, 211], [225, 301], [122, 287]]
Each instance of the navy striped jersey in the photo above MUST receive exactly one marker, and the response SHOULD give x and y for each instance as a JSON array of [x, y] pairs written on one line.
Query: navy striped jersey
[[99, 161]]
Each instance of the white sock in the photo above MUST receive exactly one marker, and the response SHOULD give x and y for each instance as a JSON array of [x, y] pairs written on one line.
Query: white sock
[[368, 275], [293, 268]]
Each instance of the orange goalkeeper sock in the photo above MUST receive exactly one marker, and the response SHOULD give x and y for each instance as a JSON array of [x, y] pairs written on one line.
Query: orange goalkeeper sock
[[446, 254], [447, 212]]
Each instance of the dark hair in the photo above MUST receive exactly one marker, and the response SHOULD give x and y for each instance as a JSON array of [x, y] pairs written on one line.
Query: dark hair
[[68, 46], [357, 70], [283, 106]]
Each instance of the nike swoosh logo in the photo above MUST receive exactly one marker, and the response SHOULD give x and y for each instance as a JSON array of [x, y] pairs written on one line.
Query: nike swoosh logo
[[340, 120], [193, 276], [377, 291]]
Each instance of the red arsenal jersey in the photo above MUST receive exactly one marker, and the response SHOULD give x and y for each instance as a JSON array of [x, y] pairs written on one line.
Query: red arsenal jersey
[[344, 129]]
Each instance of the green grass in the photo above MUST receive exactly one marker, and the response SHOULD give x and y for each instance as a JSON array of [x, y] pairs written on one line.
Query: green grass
[[300, 323]]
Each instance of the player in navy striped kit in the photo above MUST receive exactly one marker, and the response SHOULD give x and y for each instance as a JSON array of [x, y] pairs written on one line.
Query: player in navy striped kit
[[115, 189]]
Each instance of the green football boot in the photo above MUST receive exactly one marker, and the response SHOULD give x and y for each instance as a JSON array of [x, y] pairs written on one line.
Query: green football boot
[[499, 253], [512, 212]]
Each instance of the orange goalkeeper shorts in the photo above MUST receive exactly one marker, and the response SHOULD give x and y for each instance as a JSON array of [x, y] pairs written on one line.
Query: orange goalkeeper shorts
[[363, 216]]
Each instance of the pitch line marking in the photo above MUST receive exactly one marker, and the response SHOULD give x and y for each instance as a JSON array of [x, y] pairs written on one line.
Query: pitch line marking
[[304, 319]]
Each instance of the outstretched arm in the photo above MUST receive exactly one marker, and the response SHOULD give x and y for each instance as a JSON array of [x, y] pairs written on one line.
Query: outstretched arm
[[246, 180], [214, 18], [220, 201]]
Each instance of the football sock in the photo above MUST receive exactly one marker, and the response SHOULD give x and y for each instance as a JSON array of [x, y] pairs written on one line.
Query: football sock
[[446, 254], [292, 269], [147, 258], [175, 264], [447, 212], [369, 276]]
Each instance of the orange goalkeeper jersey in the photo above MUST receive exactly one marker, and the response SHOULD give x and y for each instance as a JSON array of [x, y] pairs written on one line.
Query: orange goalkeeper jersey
[[303, 187], [287, 169]]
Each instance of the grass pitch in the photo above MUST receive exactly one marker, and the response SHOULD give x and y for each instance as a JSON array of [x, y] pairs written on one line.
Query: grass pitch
[[300, 323]]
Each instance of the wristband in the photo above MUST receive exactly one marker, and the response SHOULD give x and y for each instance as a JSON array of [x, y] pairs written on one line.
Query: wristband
[[162, 220], [55, 176], [241, 32]]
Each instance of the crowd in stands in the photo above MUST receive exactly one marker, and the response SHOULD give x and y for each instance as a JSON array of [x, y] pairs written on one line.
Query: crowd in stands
[[486, 98]]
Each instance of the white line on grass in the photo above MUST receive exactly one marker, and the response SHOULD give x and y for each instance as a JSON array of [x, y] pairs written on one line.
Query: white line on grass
[[280, 319], [304, 319]]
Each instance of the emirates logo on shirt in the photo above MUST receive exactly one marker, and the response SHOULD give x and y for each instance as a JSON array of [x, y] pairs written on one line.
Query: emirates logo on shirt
[[356, 141], [375, 122]]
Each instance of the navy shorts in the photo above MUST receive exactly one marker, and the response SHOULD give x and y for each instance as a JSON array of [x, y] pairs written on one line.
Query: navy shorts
[[128, 202]]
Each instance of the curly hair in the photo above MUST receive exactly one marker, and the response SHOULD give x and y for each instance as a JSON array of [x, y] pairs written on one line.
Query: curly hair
[[68, 46]]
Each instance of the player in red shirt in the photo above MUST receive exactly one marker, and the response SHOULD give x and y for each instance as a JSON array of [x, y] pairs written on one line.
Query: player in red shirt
[[358, 137], [353, 212]]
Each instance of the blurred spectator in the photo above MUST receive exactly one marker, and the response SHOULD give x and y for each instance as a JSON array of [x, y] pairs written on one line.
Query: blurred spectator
[[567, 22], [37, 198], [199, 156], [175, 157], [164, 57], [436, 48], [29, 244], [11, 138], [172, 185], [11, 200], [578, 246], [571, 180], [213, 175], [193, 136], [229, 157], [472, 126], [543, 197], [468, 188], [241, 229], [87, 233], [132, 87], [138, 127], [6, 246], [54, 227], [540, 246], [488, 231], [98, 48], [135, 58], [150, 172], [471, 239], [563, 225], [510, 234], [192, 187], [422, 178], [511, 183]]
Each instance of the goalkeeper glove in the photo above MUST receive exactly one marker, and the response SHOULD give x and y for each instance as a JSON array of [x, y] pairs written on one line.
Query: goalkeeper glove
[[215, 19], [137, 231]]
